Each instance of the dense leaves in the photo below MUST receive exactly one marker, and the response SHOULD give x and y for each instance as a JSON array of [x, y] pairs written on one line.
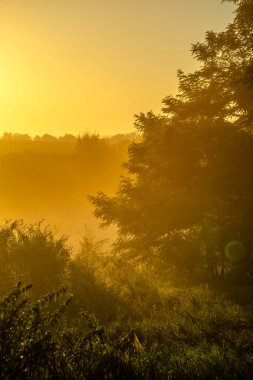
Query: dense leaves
[[190, 184], [196, 335], [33, 252]]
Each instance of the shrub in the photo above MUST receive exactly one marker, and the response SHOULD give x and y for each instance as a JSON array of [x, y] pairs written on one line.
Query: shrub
[[34, 253]]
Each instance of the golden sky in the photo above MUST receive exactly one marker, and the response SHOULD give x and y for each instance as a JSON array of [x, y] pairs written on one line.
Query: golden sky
[[71, 66]]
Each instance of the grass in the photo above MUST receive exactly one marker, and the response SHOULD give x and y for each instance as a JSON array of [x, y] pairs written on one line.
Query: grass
[[120, 320]]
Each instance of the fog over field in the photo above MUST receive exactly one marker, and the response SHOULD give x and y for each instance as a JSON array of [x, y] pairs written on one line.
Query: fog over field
[[127, 256], [50, 179]]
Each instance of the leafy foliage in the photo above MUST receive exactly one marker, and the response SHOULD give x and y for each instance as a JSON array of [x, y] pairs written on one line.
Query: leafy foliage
[[188, 202], [33, 252], [34, 344], [189, 190], [28, 346], [87, 280], [194, 335]]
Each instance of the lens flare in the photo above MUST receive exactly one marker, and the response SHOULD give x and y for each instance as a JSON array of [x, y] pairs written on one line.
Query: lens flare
[[235, 251]]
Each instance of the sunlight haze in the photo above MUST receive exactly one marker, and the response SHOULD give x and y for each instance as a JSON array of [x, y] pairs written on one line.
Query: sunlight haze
[[88, 65]]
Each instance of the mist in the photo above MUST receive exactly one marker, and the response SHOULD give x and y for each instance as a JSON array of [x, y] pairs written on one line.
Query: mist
[[131, 256], [49, 178]]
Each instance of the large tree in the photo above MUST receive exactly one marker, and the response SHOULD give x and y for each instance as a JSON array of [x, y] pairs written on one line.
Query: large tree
[[190, 186]]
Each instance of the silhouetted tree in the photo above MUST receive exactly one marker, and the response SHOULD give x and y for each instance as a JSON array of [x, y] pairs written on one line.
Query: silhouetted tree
[[47, 137], [68, 138], [190, 188]]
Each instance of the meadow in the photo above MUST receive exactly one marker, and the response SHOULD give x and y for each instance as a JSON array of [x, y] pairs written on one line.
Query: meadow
[[112, 318], [165, 290]]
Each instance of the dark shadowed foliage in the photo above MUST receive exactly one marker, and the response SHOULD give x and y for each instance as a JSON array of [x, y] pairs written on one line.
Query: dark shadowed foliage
[[33, 253], [190, 187]]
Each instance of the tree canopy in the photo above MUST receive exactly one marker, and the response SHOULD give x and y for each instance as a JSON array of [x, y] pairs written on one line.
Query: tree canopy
[[190, 188]]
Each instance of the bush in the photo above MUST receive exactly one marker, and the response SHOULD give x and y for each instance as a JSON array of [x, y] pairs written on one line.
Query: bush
[[34, 253], [35, 343]]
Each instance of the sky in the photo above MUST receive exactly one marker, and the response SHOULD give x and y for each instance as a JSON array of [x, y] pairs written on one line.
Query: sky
[[76, 66]]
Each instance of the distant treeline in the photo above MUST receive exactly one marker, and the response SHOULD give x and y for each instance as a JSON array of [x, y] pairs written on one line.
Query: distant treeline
[[51, 178], [67, 137], [45, 137]]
